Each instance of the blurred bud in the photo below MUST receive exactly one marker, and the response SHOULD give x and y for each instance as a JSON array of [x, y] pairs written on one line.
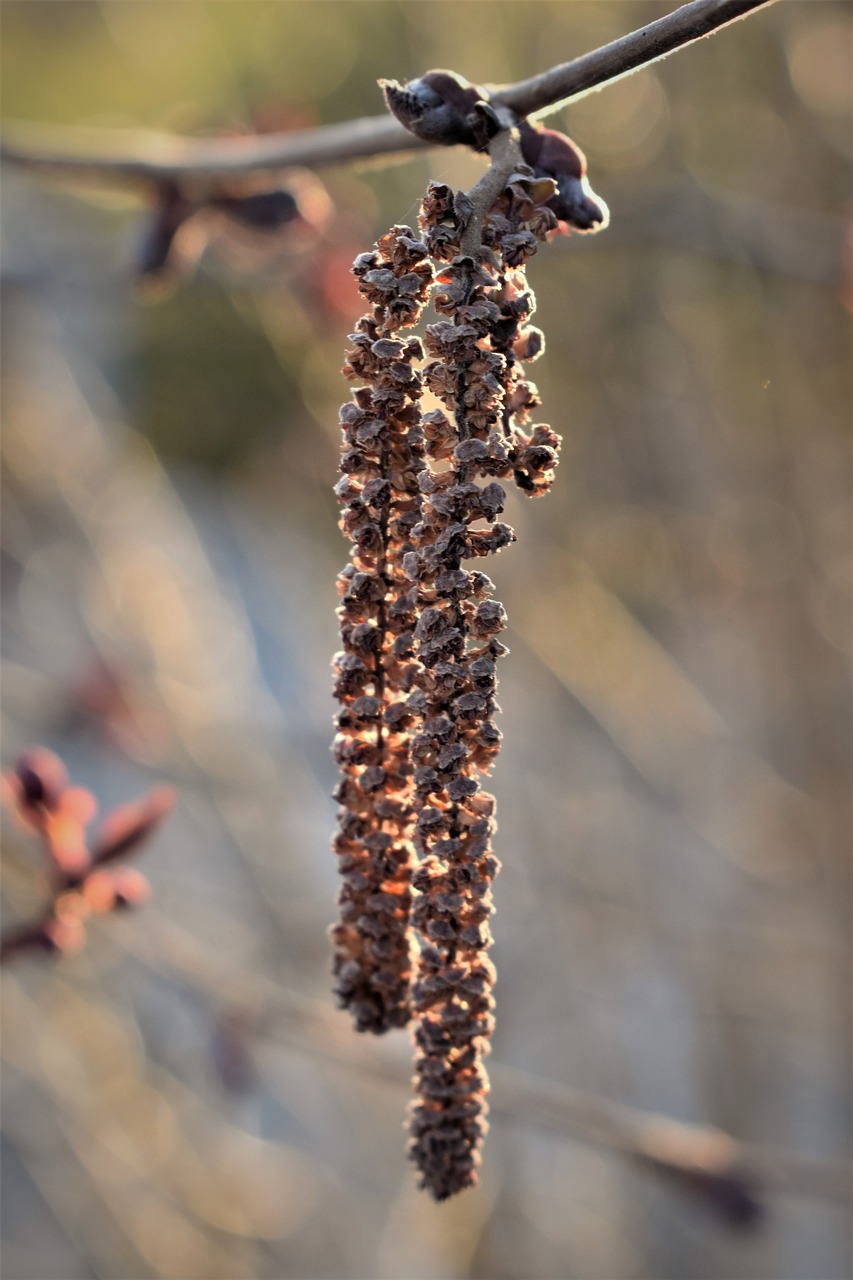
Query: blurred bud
[[130, 889], [65, 839], [38, 792], [80, 888], [261, 210], [98, 892], [180, 227], [80, 804], [41, 778], [734, 1194], [65, 933], [130, 825], [298, 207]]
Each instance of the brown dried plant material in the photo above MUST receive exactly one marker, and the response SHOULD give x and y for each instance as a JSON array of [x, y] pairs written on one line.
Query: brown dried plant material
[[476, 373], [381, 461], [417, 674]]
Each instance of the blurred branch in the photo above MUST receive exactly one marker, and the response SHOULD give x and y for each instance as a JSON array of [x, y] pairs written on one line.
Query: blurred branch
[[158, 159], [734, 1178]]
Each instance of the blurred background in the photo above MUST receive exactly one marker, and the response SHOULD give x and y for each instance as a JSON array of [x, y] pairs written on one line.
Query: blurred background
[[181, 1099]]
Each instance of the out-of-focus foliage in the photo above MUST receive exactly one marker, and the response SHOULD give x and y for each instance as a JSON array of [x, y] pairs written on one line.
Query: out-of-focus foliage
[[672, 930]]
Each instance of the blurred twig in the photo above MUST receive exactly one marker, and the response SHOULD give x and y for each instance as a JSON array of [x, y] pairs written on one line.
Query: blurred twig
[[158, 159], [735, 1178]]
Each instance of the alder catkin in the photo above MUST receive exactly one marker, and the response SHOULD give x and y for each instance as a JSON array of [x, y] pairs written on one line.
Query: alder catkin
[[374, 673], [475, 372]]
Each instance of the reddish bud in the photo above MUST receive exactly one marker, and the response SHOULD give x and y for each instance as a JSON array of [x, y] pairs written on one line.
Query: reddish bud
[[42, 778], [65, 933], [130, 889], [553, 155], [66, 841], [98, 892], [130, 825]]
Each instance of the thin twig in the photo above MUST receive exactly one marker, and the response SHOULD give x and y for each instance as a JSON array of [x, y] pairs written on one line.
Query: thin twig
[[162, 157], [705, 1159], [683, 26], [505, 155], [158, 158], [686, 1151]]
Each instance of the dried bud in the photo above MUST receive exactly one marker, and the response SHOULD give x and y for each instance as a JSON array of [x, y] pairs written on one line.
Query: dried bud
[[529, 344]]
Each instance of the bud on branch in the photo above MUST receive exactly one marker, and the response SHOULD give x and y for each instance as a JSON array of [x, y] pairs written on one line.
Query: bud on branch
[[38, 794]]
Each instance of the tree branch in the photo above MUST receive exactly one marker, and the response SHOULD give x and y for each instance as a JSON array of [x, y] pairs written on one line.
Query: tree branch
[[735, 1178], [162, 158], [683, 26], [151, 158]]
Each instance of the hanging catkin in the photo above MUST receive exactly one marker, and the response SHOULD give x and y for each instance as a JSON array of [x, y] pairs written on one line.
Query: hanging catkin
[[420, 627], [475, 372], [381, 461]]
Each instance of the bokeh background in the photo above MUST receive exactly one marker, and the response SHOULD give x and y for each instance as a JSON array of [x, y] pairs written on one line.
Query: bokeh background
[[181, 1099]]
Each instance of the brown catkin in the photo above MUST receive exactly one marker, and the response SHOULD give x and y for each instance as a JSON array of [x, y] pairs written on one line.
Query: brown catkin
[[475, 372], [381, 460], [417, 674]]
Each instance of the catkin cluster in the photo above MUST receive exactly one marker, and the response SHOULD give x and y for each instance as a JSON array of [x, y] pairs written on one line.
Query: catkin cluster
[[420, 630]]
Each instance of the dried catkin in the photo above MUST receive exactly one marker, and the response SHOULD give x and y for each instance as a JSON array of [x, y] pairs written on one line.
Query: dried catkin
[[417, 675], [475, 372], [374, 674]]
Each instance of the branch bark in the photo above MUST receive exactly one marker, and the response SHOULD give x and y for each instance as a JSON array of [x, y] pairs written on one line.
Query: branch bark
[[134, 157], [691, 22]]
